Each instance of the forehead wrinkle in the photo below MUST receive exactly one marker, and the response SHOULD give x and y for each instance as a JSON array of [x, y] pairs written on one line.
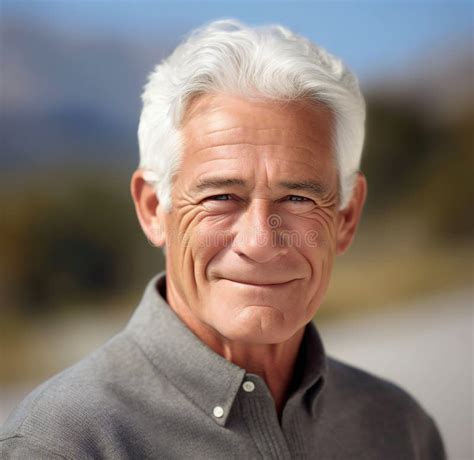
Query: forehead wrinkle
[[223, 130], [276, 136], [248, 144], [235, 156]]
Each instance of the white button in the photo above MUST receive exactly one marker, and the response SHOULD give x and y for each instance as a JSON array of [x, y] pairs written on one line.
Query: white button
[[218, 411], [248, 386]]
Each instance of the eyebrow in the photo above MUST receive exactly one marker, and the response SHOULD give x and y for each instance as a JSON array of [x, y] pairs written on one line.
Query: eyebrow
[[314, 187], [211, 183]]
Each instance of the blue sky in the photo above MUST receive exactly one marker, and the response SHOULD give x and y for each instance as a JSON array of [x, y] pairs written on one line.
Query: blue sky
[[368, 35]]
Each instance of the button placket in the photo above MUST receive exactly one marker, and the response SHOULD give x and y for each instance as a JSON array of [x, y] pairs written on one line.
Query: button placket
[[259, 413]]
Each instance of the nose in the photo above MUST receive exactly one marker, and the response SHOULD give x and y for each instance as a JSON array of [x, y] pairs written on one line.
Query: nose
[[258, 236]]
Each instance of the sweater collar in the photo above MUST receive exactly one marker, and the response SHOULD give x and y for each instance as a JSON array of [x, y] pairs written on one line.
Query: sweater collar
[[203, 376]]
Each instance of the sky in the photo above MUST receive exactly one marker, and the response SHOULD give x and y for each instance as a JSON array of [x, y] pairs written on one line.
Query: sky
[[365, 34]]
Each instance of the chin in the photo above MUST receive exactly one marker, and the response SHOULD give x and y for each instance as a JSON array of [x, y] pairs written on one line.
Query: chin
[[258, 325]]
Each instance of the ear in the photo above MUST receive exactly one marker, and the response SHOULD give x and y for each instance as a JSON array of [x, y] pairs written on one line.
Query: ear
[[148, 210], [349, 217]]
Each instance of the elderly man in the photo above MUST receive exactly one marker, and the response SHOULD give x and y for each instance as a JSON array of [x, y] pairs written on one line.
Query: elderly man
[[250, 144]]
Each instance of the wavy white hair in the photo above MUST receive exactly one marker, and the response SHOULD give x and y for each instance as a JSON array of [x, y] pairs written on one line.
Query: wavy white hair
[[268, 62]]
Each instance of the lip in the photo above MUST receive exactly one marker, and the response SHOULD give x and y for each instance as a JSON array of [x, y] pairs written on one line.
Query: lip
[[269, 285]]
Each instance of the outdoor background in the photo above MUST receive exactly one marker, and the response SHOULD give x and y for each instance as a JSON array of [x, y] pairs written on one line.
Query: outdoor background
[[74, 262]]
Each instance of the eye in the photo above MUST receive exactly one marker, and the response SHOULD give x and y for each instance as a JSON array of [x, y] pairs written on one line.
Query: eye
[[222, 197], [222, 203], [297, 198]]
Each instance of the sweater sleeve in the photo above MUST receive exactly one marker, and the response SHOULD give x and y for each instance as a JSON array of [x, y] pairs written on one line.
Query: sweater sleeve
[[20, 448], [432, 446]]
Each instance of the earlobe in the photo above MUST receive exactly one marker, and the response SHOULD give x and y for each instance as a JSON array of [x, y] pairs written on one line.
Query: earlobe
[[157, 238], [349, 217], [147, 208]]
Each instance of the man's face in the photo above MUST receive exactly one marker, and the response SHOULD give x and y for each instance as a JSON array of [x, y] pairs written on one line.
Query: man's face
[[252, 235]]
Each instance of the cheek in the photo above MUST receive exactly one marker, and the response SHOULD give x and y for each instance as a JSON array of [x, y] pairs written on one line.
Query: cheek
[[314, 234], [206, 236]]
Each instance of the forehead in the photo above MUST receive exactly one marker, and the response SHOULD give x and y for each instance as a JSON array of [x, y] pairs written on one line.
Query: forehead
[[231, 132], [215, 112]]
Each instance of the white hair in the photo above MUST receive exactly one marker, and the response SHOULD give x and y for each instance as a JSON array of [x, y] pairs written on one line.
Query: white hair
[[268, 62]]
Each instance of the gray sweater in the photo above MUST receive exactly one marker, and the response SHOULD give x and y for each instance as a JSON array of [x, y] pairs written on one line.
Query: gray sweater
[[156, 391]]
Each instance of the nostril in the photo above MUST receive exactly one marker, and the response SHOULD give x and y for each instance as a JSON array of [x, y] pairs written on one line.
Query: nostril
[[260, 249]]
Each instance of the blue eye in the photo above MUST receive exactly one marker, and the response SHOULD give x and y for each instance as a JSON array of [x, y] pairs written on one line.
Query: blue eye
[[219, 197], [298, 198]]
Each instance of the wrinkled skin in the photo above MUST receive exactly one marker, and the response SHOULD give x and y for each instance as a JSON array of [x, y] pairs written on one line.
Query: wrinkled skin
[[248, 264]]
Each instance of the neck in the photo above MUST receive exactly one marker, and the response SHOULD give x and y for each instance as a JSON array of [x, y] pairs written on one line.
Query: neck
[[274, 363]]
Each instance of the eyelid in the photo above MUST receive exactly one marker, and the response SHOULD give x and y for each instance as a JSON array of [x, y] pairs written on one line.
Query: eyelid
[[305, 199], [301, 196], [219, 194]]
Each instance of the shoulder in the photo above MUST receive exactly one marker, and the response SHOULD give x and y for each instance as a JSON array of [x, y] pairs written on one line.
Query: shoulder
[[74, 408], [359, 388], [381, 407]]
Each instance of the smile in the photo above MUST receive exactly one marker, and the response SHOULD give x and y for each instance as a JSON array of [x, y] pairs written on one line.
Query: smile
[[262, 285]]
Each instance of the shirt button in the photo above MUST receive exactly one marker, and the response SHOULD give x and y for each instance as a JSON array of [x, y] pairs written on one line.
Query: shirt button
[[248, 386], [218, 411]]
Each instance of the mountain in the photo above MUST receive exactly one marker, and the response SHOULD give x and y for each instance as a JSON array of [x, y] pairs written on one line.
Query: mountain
[[68, 98], [438, 82]]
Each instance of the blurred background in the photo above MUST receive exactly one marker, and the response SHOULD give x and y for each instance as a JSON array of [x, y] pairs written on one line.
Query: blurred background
[[74, 262]]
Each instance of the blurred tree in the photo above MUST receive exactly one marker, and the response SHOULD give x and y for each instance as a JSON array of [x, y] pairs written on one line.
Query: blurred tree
[[398, 142], [73, 240], [420, 166]]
